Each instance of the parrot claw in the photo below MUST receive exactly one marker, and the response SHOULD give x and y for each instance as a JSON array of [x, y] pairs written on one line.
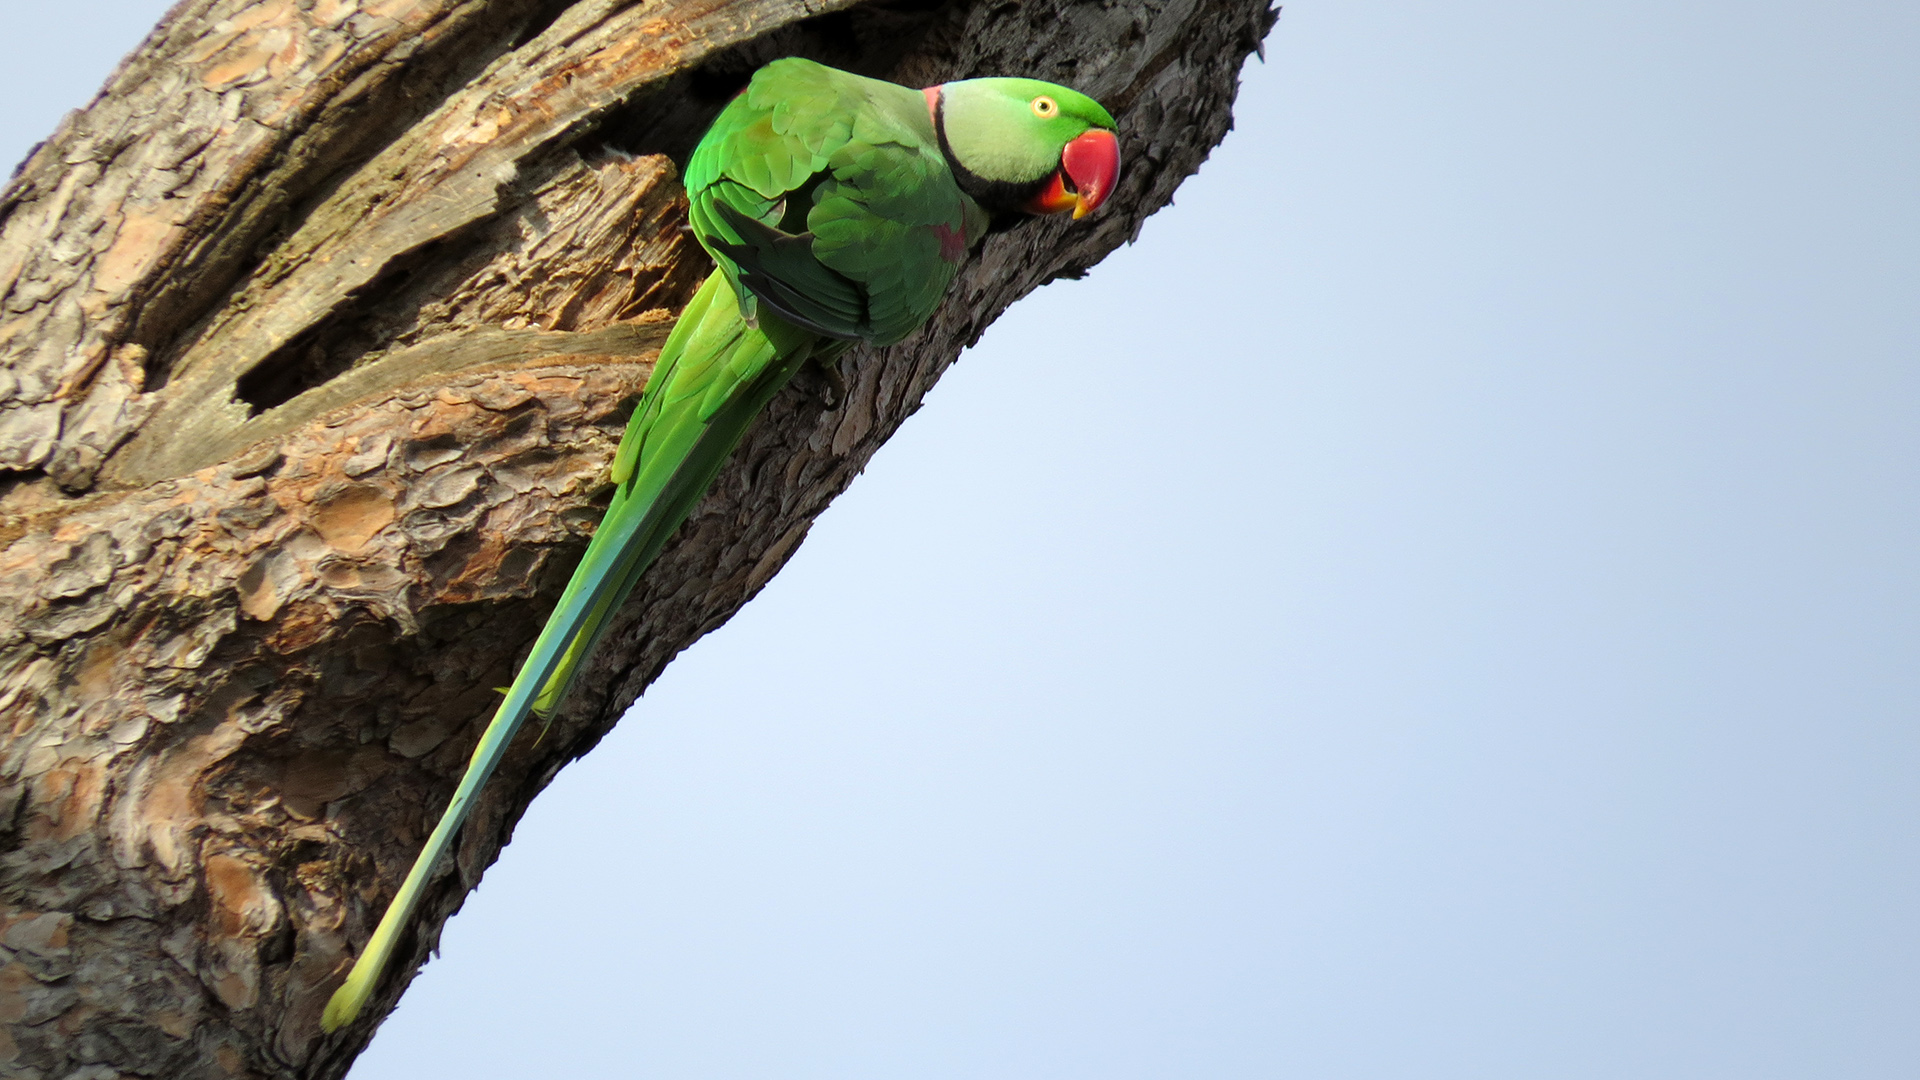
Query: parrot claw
[[836, 389]]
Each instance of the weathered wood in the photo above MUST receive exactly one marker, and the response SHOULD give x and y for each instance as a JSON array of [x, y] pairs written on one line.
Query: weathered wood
[[319, 325]]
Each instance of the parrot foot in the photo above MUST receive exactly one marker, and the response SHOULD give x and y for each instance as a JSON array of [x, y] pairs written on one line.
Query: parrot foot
[[835, 394]]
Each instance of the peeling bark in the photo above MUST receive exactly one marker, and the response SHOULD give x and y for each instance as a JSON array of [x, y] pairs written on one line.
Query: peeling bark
[[317, 331]]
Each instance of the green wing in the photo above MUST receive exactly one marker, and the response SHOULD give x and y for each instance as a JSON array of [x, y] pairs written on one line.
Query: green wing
[[825, 197]]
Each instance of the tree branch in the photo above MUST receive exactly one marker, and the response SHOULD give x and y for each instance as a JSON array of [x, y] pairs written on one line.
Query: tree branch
[[320, 324]]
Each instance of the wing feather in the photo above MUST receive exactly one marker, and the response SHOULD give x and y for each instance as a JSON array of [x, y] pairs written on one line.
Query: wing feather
[[888, 225]]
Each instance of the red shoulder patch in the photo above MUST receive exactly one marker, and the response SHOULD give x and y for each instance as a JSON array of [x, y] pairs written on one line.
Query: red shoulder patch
[[953, 243]]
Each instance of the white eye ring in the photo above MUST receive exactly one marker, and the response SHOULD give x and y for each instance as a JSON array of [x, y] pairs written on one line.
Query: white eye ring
[[1045, 107]]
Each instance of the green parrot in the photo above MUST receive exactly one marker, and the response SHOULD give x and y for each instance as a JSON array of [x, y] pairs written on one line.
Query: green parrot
[[837, 210]]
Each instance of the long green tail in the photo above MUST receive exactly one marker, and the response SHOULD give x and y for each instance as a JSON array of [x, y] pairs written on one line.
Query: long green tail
[[714, 375]]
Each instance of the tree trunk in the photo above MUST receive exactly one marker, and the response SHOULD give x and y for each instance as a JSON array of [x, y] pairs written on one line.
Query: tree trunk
[[319, 327]]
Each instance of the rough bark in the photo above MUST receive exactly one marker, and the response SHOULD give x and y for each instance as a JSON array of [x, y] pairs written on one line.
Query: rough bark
[[317, 327]]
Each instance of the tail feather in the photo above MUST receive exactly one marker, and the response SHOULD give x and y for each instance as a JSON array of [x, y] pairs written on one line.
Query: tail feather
[[681, 435]]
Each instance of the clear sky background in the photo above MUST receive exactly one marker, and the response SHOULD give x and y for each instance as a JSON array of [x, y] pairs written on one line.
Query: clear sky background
[[1441, 605]]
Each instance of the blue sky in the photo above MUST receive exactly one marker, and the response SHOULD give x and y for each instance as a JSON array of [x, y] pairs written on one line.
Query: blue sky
[[1441, 605]]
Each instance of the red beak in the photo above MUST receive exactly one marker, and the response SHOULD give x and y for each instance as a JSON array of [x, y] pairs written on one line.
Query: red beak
[[1092, 161], [1092, 164]]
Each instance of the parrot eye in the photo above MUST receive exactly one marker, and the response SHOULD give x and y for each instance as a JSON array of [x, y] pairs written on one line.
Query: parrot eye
[[1045, 108]]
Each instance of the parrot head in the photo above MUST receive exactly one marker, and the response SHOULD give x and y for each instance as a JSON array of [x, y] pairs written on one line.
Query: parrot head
[[1022, 144]]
